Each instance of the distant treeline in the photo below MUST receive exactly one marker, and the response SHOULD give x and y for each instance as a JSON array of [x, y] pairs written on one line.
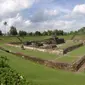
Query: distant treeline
[[13, 31]]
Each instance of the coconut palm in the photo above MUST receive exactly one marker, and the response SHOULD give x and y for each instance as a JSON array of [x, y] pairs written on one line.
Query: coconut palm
[[5, 24]]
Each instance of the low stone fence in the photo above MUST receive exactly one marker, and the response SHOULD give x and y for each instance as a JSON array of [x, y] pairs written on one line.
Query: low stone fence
[[78, 63], [66, 50]]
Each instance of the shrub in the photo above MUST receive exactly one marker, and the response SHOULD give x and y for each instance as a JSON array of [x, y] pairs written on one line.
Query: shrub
[[10, 77]]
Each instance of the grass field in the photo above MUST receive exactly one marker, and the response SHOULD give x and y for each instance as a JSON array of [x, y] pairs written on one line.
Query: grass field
[[39, 73], [73, 55], [67, 44], [43, 75], [70, 57]]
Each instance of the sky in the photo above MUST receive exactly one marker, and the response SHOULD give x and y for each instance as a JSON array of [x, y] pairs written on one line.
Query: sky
[[42, 15]]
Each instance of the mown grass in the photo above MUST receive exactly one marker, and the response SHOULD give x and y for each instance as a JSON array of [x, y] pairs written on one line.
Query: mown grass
[[35, 53], [73, 55], [43, 75], [70, 57], [67, 44]]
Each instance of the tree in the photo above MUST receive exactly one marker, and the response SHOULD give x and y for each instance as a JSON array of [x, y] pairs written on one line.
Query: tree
[[13, 30], [5, 23], [37, 33], [30, 34], [49, 32], [1, 32], [22, 33], [44, 33]]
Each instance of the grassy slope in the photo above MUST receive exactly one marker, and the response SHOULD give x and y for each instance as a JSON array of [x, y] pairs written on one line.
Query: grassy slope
[[67, 58], [43, 55], [40, 73], [73, 55], [43, 75]]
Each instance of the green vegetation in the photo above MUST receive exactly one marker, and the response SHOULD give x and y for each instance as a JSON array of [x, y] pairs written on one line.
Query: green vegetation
[[43, 55], [40, 74], [67, 44], [73, 55], [9, 76]]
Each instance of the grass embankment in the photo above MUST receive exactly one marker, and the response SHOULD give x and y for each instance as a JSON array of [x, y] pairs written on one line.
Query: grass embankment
[[41, 74], [67, 44], [71, 56]]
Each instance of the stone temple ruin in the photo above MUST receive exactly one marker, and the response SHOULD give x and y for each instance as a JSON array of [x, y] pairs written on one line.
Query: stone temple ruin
[[52, 45], [45, 44]]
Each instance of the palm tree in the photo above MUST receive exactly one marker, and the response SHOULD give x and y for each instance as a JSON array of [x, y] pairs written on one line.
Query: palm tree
[[5, 24]]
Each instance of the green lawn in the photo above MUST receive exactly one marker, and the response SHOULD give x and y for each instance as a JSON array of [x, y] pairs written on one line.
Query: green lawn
[[70, 57], [78, 52], [43, 75], [67, 44], [73, 55], [43, 55]]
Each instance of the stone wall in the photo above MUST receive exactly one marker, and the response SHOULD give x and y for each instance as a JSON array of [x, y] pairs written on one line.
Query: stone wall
[[66, 50], [78, 63]]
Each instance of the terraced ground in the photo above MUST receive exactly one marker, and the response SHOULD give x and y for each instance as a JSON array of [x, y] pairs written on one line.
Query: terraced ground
[[39, 73], [73, 55], [70, 57], [67, 44], [43, 75]]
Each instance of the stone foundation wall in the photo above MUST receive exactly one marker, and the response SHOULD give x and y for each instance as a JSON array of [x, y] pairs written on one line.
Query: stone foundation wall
[[78, 63], [66, 50]]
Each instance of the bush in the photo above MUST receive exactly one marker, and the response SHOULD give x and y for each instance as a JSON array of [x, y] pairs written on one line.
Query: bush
[[9, 76]]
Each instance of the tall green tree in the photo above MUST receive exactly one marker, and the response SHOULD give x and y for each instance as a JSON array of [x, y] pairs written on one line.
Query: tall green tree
[[22, 33], [37, 33], [13, 30], [49, 32], [44, 33], [1, 32], [5, 24]]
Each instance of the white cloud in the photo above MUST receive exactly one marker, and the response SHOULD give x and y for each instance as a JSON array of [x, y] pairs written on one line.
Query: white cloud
[[9, 6], [18, 21], [58, 24], [45, 19], [79, 9], [52, 12]]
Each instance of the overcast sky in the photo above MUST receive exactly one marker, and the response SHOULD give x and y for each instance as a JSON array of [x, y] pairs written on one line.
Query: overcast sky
[[32, 15]]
